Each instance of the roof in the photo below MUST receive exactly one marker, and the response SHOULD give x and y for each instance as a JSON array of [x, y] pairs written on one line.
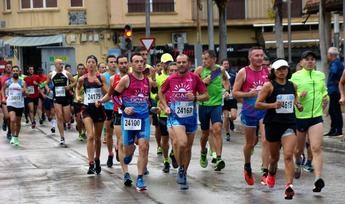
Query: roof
[[312, 6], [34, 41]]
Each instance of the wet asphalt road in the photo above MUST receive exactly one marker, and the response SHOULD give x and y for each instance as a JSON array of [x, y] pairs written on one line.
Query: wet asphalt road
[[39, 171]]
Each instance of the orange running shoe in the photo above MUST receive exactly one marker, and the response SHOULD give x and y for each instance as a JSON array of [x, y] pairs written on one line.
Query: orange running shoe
[[248, 177], [270, 181]]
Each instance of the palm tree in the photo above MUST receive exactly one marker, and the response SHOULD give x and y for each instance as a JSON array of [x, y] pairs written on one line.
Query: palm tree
[[221, 4]]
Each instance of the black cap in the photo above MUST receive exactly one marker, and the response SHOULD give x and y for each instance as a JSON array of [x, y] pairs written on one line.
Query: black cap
[[307, 53]]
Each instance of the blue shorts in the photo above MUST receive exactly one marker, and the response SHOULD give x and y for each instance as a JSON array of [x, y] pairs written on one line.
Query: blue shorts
[[250, 121], [210, 113], [303, 125], [190, 124], [129, 136]]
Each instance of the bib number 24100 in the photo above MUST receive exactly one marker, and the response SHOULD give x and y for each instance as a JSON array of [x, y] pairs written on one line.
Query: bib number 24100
[[132, 124]]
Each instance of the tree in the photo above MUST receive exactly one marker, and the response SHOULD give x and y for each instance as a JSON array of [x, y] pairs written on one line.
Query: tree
[[278, 26], [221, 4]]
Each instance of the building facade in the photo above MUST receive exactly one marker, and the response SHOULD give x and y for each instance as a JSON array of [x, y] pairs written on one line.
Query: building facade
[[35, 32]]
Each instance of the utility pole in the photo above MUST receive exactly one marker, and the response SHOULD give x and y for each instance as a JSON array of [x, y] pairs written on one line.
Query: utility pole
[[198, 46], [289, 31], [210, 24], [147, 27], [336, 31]]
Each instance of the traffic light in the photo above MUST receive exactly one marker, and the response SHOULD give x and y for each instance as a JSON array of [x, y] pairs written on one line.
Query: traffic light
[[128, 36]]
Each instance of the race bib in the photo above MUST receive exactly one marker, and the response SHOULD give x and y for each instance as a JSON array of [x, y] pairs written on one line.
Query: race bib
[[119, 110], [15, 97], [184, 109], [132, 124], [31, 90], [287, 103], [91, 95], [60, 91]]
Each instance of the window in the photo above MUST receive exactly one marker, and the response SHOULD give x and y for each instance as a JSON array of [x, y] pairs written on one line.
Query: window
[[77, 3], [155, 6], [7, 5], [37, 4]]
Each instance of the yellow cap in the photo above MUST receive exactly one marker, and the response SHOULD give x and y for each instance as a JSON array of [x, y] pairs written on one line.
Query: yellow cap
[[166, 57]]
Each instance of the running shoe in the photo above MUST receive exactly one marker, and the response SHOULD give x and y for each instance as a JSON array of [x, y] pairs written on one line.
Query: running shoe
[[308, 167], [27, 121], [232, 125], [146, 172], [41, 121], [16, 141], [62, 141], [184, 184], [12, 140], [91, 169], [179, 176], [4, 126], [33, 125], [52, 129], [220, 164], [159, 151], [248, 176], [127, 180], [270, 181], [69, 125], [173, 160], [318, 185], [263, 179], [80, 137], [43, 117], [166, 168], [140, 184], [9, 137], [203, 159], [98, 168], [302, 158], [298, 170], [227, 137], [84, 135], [289, 193], [214, 158], [110, 161]]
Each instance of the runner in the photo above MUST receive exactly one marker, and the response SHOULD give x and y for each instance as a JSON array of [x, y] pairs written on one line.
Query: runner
[[48, 103], [211, 110], [109, 106], [311, 88], [248, 83], [4, 77], [162, 120], [61, 79], [15, 88], [101, 68], [32, 81], [42, 79], [122, 63], [135, 121], [77, 105], [93, 117], [179, 94], [278, 97], [230, 103]]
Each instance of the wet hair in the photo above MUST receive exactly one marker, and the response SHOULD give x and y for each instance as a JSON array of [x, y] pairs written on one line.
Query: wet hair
[[135, 54], [119, 57], [92, 57], [110, 56], [210, 53]]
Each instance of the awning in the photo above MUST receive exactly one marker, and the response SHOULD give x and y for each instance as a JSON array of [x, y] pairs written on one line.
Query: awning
[[35, 41], [312, 6]]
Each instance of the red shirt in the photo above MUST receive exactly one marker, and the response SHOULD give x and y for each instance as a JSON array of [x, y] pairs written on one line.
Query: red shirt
[[32, 89], [116, 81], [42, 78], [4, 78]]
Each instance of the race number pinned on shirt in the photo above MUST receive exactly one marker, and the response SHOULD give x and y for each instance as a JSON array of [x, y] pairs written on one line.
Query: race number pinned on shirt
[[184, 109], [287, 103], [91, 95], [60, 91], [132, 124], [15, 97], [31, 90]]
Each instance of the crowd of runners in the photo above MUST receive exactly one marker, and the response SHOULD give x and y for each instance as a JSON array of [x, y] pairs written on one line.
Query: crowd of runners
[[126, 97]]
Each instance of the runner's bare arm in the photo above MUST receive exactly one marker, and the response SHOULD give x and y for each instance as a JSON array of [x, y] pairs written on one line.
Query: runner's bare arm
[[3, 89], [123, 84], [239, 81], [163, 102], [341, 89], [104, 84], [71, 79], [202, 97], [77, 89], [266, 91], [297, 102]]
